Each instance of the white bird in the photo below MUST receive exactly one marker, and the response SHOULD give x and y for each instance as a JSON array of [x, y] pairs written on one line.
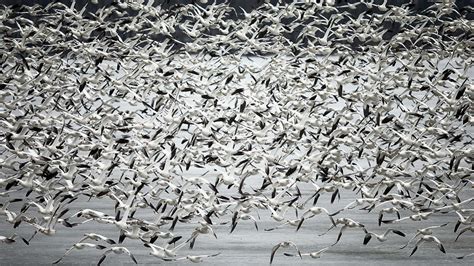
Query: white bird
[[48, 209], [200, 230], [242, 216], [428, 238], [381, 238], [11, 239], [79, 246], [117, 250], [423, 232], [313, 255], [293, 222], [347, 223], [166, 251], [313, 211], [283, 244], [97, 237], [193, 258]]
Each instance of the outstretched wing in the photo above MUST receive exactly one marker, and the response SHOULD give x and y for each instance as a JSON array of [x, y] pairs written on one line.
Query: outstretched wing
[[67, 252], [274, 249], [104, 255], [133, 257]]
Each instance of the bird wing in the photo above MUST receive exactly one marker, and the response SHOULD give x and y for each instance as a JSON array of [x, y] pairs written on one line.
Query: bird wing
[[174, 259], [274, 249], [413, 251], [323, 250], [367, 238], [212, 255], [108, 240], [462, 232], [440, 245], [132, 257], [83, 239], [255, 221], [50, 222], [173, 240], [411, 239], [67, 252], [416, 246], [436, 226], [296, 247], [400, 233], [441, 248], [343, 228], [178, 247], [102, 258], [234, 221], [299, 224], [464, 256]]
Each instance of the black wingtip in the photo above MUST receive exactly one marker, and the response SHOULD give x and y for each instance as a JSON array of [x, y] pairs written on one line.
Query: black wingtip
[[400, 233], [367, 239], [25, 241], [121, 238], [101, 260], [233, 228], [300, 224], [458, 223], [441, 247], [174, 240], [133, 258]]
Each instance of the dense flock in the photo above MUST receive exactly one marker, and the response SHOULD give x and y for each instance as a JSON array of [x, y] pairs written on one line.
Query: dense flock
[[207, 114]]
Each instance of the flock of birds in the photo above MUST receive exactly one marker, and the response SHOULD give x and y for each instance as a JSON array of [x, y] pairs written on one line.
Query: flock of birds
[[205, 114]]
